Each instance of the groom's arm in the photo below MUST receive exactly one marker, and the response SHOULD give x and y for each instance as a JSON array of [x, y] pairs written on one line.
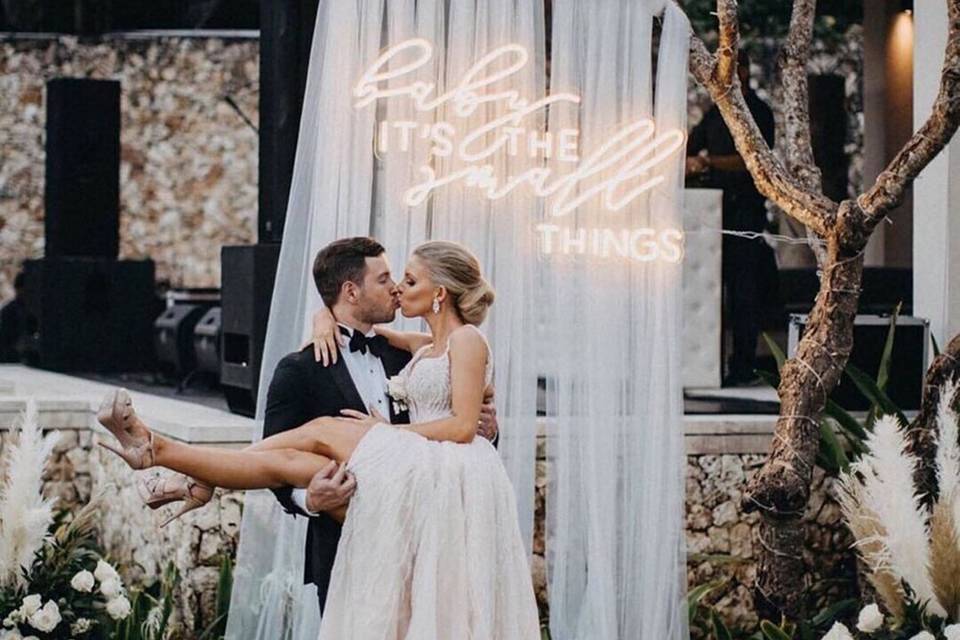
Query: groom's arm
[[286, 409]]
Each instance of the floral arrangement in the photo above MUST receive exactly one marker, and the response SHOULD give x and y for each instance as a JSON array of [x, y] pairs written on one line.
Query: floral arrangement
[[52, 585], [912, 552]]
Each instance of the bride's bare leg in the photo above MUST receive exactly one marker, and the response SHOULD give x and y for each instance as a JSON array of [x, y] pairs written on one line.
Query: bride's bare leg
[[287, 459], [331, 437], [291, 458], [232, 469]]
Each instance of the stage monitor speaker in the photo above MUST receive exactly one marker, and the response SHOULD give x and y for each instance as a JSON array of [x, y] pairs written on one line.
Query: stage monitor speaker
[[173, 338], [82, 183], [247, 275], [91, 314], [206, 341], [911, 341]]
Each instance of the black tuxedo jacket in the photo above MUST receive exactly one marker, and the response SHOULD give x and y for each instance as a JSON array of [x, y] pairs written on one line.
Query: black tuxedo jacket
[[301, 390]]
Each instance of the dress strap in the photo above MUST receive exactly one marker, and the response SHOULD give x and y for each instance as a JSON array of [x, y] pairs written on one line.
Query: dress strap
[[485, 341]]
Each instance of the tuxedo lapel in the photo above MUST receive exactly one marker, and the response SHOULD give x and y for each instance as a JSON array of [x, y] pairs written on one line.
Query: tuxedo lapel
[[341, 376], [393, 361]]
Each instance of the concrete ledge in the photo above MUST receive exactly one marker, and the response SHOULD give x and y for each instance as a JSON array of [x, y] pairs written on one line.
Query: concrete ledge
[[67, 402]]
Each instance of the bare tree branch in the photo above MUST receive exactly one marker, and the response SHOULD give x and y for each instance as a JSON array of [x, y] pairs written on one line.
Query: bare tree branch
[[798, 145], [888, 192], [729, 46], [809, 207]]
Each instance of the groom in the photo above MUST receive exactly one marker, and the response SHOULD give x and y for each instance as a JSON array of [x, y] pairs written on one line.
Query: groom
[[353, 278]]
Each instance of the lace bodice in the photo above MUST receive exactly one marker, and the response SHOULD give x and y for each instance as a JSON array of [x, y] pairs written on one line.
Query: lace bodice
[[427, 383]]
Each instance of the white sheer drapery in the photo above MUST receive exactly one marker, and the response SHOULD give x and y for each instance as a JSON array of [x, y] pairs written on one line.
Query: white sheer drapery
[[341, 188], [615, 440]]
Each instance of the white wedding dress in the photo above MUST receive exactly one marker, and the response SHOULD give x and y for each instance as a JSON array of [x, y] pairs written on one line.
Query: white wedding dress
[[431, 546]]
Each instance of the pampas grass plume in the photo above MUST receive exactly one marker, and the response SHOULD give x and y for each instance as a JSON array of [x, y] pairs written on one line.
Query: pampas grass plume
[[25, 516]]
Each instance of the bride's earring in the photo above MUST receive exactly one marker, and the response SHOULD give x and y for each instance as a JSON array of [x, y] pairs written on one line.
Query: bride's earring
[[436, 305]]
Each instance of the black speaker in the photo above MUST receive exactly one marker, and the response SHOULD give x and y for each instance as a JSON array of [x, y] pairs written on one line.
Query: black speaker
[[173, 338], [286, 31], [911, 340], [91, 314], [206, 341], [247, 276], [82, 188]]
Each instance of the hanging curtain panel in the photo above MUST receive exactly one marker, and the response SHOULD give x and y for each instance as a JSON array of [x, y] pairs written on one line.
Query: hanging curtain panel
[[611, 245]]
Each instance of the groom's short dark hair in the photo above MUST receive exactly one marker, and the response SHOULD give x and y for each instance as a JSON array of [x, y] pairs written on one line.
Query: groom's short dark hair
[[342, 261]]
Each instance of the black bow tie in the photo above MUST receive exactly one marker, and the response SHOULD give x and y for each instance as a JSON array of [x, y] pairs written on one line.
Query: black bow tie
[[359, 342]]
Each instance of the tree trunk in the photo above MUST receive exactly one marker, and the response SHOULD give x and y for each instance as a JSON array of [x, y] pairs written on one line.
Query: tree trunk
[[781, 488]]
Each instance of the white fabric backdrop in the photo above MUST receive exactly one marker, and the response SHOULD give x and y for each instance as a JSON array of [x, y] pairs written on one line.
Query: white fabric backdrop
[[606, 512], [615, 447]]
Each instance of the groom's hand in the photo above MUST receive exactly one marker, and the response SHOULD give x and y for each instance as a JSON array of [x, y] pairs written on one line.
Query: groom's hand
[[330, 488], [488, 427]]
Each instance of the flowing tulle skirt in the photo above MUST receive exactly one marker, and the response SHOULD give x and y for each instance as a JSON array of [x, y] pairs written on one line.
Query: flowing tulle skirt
[[431, 547]]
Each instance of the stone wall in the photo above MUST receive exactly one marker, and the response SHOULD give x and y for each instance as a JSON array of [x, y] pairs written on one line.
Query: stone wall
[[188, 173], [195, 543]]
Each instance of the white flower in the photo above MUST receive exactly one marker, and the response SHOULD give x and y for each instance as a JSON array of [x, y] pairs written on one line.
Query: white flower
[[118, 608], [104, 572], [838, 632], [46, 619], [397, 388], [952, 632], [923, 635], [31, 604], [870, 618], [80, 627], [10, 634], [83, 581], [12, 619], [111, 588]]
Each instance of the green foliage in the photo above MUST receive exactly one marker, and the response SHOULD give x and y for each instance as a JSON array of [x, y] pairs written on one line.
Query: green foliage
[[706, 622], [217, 628]]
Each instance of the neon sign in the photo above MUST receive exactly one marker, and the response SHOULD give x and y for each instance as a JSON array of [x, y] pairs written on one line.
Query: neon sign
[[615, 173]]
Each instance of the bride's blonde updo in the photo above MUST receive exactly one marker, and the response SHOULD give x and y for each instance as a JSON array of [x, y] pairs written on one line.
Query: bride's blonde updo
[[453, 266]]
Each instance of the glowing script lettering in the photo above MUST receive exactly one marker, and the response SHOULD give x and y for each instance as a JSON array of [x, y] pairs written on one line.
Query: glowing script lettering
[[643, 244], [616, 172]]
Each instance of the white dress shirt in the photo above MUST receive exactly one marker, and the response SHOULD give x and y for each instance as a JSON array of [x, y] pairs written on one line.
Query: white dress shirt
[[366, 371]]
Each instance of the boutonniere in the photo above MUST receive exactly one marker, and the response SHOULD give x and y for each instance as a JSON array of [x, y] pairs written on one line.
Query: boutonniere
[[397, 390]]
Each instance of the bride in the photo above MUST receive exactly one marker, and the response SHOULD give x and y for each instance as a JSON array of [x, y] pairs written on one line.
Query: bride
[[431, 547]]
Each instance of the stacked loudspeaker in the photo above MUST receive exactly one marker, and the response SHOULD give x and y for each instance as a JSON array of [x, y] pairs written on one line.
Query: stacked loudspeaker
[[92, 311], [286, 31]]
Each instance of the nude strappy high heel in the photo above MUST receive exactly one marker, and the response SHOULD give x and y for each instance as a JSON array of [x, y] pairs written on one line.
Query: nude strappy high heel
[[160, 490], [116, 413]]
